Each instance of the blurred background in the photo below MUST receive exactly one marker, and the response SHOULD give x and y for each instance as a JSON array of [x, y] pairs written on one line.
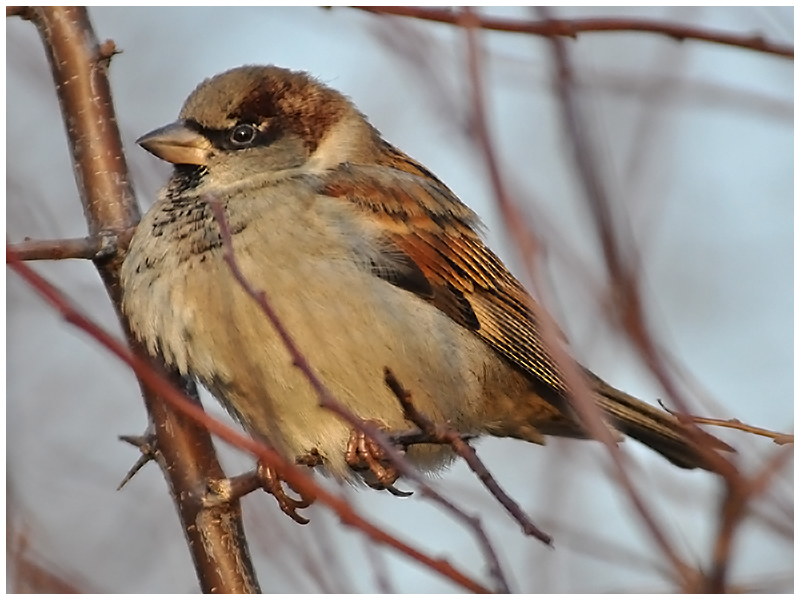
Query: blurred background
[[696, 148]]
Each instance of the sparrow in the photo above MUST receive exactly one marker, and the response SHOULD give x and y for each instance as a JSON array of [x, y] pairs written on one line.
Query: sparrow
[[370, 261]]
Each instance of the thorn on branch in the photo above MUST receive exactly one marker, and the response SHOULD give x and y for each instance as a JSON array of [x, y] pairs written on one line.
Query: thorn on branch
[[105, 52], [149, 452]]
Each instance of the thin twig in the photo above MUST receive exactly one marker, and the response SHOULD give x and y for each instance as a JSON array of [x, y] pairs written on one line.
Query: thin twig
[[732, 513], [447, 435], [294, 476], [778, 438], [617, 248], [631, 310], [587, 410], [572, 27], [327, 401], [594, 189], [760, 481]]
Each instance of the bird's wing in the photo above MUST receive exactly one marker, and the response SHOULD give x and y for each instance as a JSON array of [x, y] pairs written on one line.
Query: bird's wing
[[443, 260]]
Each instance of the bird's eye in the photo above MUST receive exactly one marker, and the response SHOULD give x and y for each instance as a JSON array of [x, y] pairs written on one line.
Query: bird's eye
[[242, 135]]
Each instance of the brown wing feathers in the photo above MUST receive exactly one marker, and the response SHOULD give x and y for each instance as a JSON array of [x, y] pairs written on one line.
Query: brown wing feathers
[[469, 283]]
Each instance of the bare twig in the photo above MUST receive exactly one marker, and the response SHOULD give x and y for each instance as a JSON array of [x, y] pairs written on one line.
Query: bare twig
[[572, 27], [617, 248], [628, 302], [417, 436], [104, 245], [327, 401], [593, 187], [778, 438], [448, 435], [296, 477], [732, 513]]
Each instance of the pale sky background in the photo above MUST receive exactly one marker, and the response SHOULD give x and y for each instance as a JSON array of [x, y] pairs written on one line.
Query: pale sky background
[[696, 141]]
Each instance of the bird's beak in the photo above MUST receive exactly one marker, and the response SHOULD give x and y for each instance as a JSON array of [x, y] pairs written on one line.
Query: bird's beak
[[178, 144]]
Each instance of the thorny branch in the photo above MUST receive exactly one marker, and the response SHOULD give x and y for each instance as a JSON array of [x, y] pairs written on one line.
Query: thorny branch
[[79, 66]]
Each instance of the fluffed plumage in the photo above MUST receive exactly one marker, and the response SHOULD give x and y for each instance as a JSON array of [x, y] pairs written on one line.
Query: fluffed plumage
[[370, 261]]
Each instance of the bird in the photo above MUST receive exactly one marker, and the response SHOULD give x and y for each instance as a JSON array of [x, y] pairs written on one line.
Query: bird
[[370, 262]]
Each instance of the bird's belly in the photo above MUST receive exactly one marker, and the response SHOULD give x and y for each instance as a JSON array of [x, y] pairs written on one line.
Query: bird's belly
[[348, 324]]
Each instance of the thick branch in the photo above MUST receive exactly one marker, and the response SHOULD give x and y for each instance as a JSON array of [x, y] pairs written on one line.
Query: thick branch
[[79, 66]]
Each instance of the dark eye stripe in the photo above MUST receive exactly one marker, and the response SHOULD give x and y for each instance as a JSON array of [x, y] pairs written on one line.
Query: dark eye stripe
[[222, 138]]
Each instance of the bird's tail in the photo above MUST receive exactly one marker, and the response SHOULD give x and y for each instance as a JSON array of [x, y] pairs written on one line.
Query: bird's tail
[[657, 429]]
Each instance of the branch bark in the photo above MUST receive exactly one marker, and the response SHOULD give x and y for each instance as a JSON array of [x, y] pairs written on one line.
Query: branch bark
[[79, 66]]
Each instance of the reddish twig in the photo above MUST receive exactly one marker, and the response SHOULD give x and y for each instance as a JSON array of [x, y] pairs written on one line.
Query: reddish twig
[[572, 27], [732, 513], [631, 310], [294, 476], [327, 401], [598, 202], [448, 435], [617, 248]]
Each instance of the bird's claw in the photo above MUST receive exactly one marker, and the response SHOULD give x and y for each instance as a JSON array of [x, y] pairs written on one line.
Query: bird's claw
[[363, 454], [272, 483]]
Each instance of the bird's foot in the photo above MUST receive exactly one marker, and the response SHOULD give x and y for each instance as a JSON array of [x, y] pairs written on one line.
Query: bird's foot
[[272, 483], [366, 457]]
